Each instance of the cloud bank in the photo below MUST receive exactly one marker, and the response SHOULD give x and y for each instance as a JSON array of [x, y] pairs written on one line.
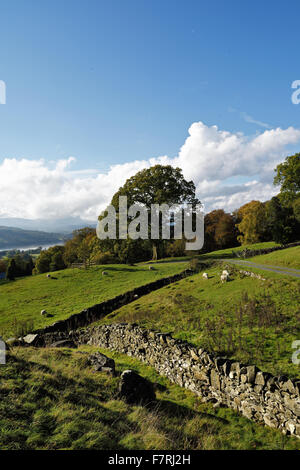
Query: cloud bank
[[228, 169]]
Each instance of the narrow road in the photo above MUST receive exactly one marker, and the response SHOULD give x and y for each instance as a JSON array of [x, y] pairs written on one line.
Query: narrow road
[[274, 269]]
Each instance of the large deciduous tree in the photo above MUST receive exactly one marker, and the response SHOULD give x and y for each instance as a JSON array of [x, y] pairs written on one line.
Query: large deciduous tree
[[158, 184], [296, 209], [80, 246], [253, 225], [220, 231], [281, 221], [288, 177]]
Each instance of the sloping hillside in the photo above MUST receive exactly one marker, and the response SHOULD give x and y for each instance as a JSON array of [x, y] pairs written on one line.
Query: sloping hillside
[[69, 291], [246, 319], [11, 237], [52, 399], [289, 258]]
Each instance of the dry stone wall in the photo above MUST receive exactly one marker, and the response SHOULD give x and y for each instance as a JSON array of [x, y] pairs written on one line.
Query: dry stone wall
[[274, 401], [98, 311], [246, 253]]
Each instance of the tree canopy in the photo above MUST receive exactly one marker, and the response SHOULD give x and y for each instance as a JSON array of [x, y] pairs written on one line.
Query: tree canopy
[[288, 177], [159, 184], [253, 222]]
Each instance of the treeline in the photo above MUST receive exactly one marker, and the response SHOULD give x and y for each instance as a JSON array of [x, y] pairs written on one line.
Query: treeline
[[252, 223], [17, 266], [12, 253], [277, 219], [85, 248]]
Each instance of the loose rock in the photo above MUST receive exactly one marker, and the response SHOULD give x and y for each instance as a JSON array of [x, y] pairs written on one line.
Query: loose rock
[[102, 363], [135, 389]]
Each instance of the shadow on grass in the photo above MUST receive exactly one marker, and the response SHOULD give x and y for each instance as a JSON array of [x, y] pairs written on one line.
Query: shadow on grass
[[171, 410], [216, 256]]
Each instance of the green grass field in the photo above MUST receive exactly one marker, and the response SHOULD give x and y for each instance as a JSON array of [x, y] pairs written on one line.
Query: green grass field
[[51, 399], [247, 319], [229, 252], [289, 258], [74, 290], [219, 254]]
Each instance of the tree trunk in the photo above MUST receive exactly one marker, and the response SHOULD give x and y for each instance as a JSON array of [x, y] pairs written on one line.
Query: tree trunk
[[154, 252]]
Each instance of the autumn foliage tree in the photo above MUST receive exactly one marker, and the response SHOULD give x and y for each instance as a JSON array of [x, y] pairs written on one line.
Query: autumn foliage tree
[[3, 266], [81, 246], [220, 230], [252, 228]]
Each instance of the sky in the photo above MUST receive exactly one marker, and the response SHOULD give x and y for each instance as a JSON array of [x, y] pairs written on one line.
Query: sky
[[98, 90]]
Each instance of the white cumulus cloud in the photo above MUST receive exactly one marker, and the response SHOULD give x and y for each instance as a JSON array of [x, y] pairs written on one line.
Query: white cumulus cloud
[[228, 169]]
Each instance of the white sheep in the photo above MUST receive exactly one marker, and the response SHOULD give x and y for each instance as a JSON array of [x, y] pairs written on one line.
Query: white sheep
[[224, 277], [225, 272], [48, 276], [43, 312], [151, 268], [205, 275], [104, 273]]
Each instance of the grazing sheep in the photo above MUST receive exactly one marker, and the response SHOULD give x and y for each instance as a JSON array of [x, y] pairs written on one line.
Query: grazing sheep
[[205, 275], [225, 272], [224, 278], [49, 276], [43, 312], [151, 268], [104, 273]]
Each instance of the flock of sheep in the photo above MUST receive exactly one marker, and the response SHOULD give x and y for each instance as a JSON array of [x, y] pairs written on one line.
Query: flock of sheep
[[224, 276]]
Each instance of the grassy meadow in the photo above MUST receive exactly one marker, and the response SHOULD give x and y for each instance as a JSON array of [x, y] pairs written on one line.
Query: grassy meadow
[[220, 254], [52, 399], [289, 258], [247, 319], [72, 290], [230, 252]]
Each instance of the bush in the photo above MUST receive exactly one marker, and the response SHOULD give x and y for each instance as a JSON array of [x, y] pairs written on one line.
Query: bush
[[51, 260], [22, 327], [194, 265], [175, 248], [104, 258], [11, 271]]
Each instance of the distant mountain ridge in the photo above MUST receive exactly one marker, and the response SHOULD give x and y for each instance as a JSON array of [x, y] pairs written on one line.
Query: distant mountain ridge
[[13, 237], [66, 225]]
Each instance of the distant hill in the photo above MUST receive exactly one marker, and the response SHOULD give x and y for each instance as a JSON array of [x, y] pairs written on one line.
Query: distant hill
[[12, 237], [66, 225]]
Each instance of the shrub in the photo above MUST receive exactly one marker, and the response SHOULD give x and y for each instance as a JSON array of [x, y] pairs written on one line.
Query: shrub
[[104, 258], [194, 265], [22, 327]]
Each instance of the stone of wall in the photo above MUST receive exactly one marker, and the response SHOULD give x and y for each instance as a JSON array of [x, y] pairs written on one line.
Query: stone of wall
[[251, 274], [98, 311], [274, 401]]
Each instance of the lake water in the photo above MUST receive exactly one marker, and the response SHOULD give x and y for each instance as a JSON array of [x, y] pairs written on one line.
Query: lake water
[[25, 248]]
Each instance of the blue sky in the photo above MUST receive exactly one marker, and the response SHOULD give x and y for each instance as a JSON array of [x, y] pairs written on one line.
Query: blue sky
[[110, 82]]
